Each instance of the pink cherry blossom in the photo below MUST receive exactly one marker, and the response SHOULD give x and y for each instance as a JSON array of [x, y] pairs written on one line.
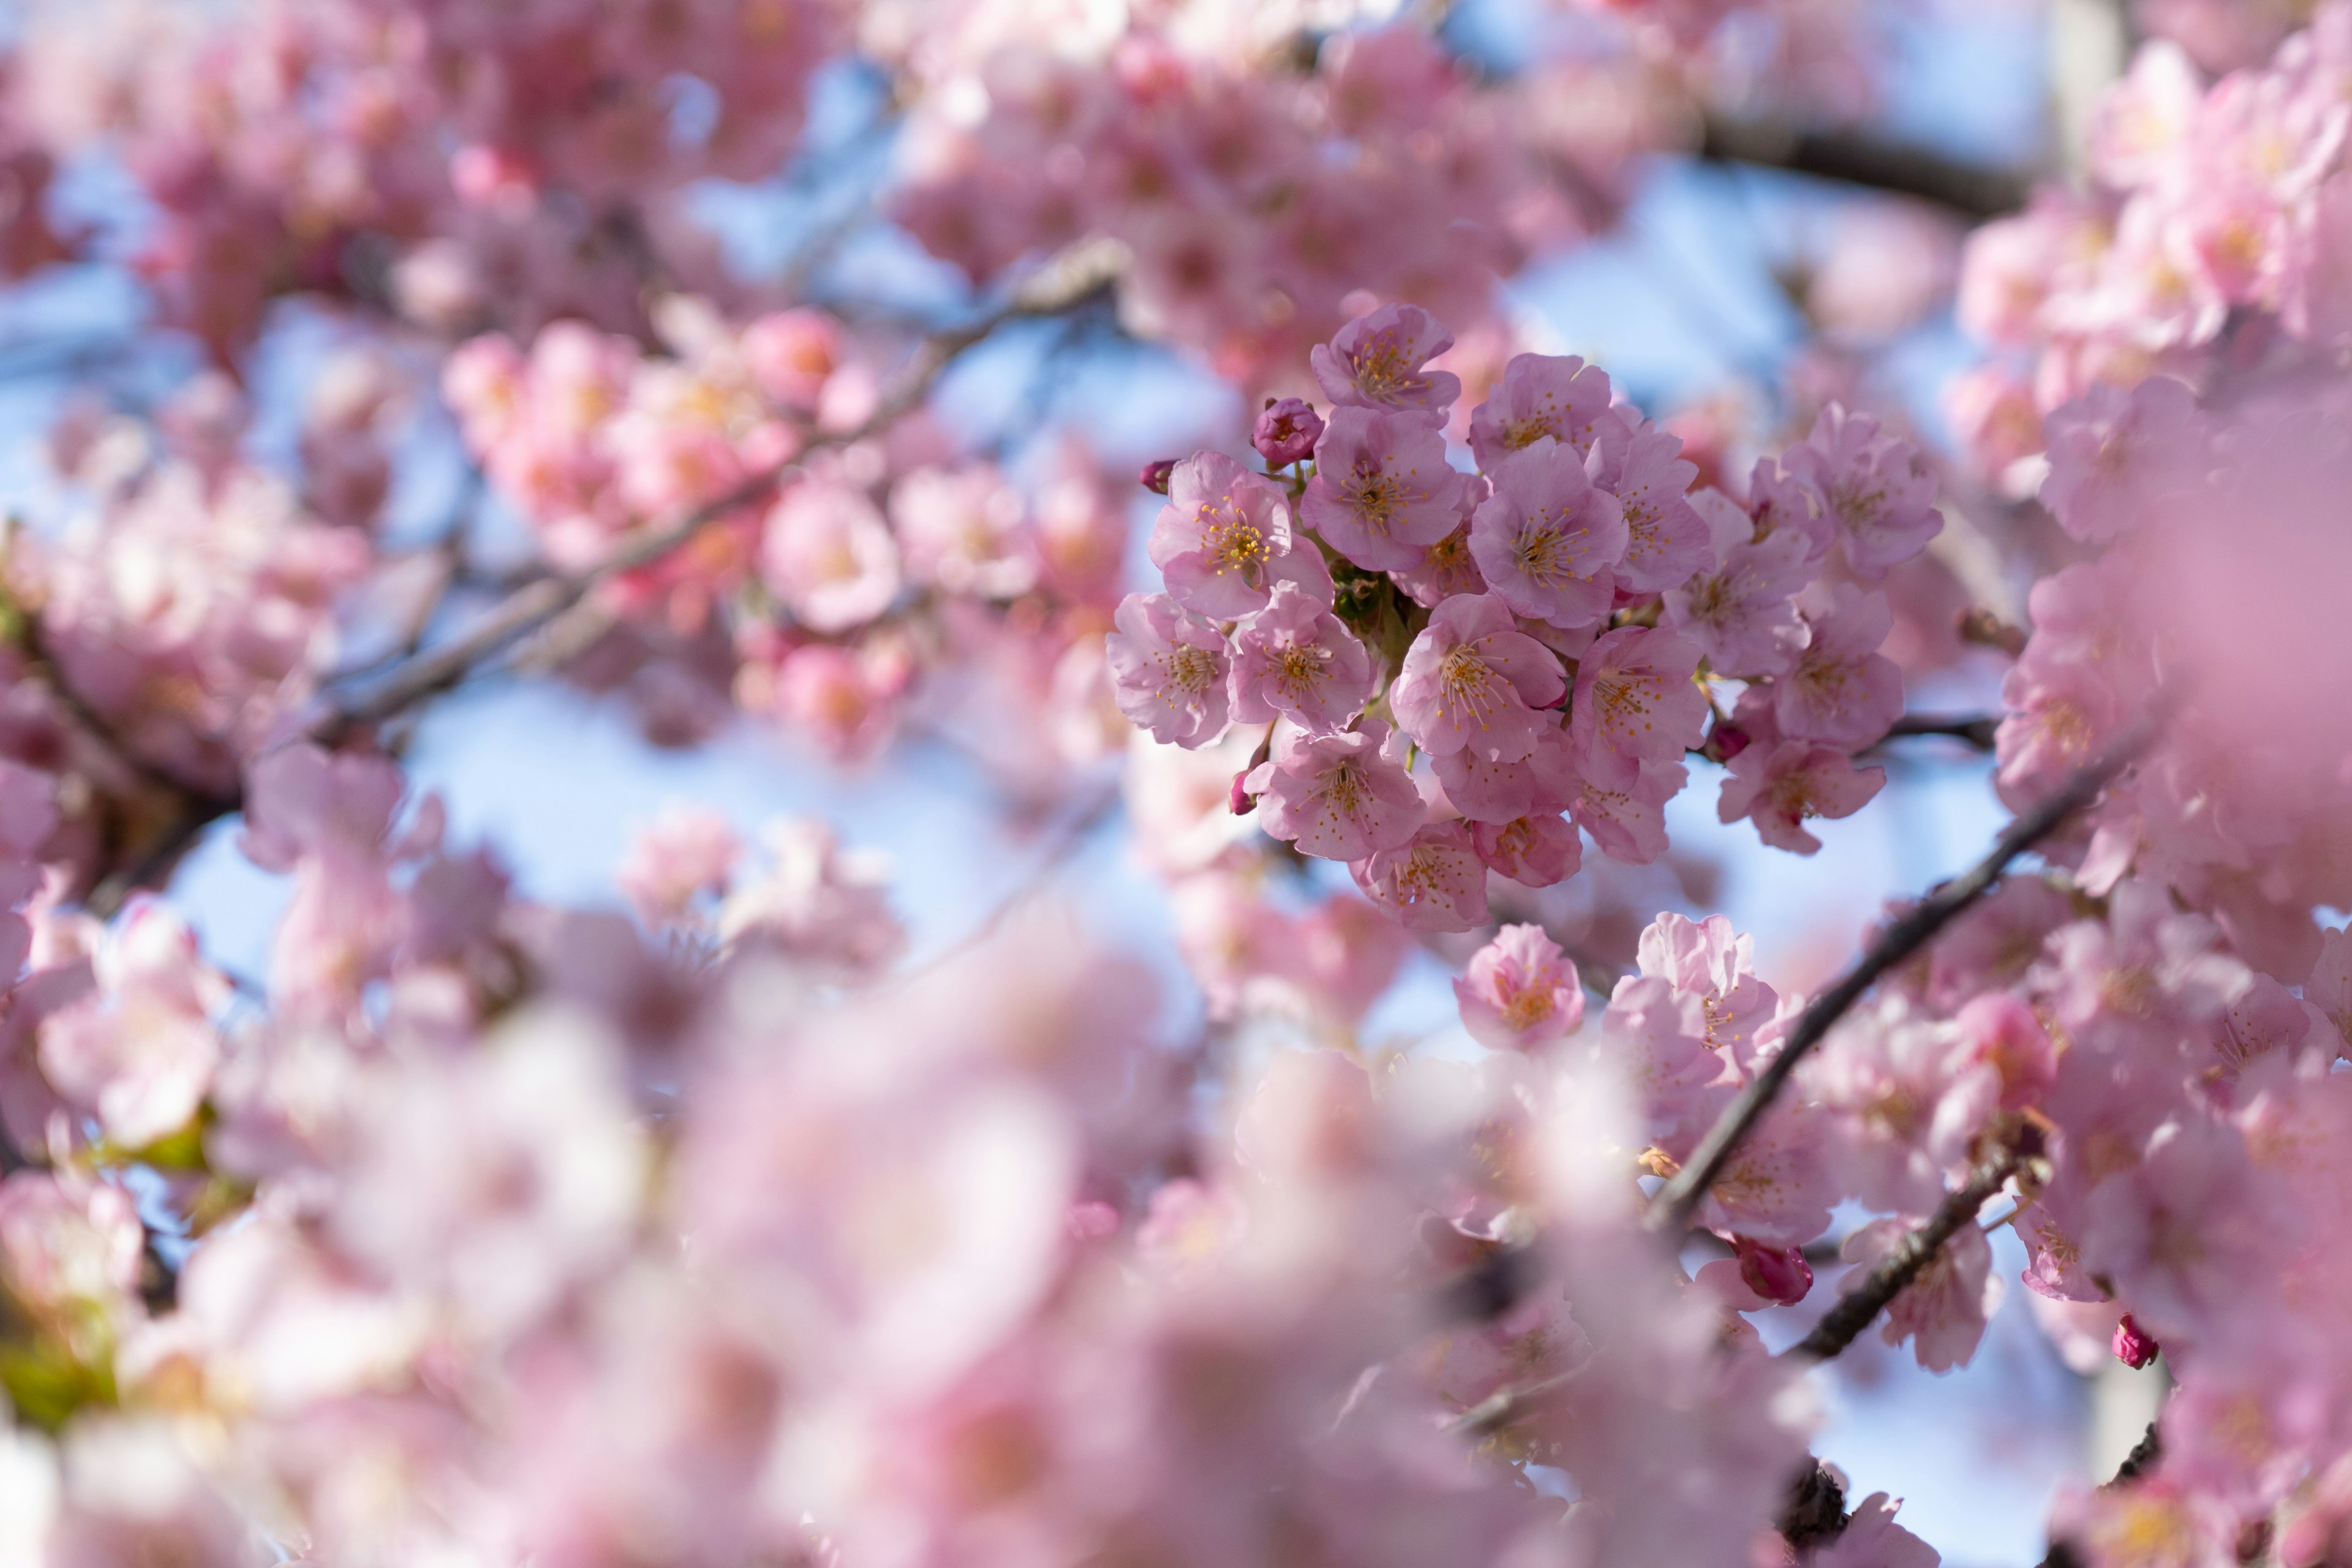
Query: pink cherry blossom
[[1635, 702], [1434, 881], [1286, 432], [1545, 540], [1296, 660], [2115, 456], [1741, 616], [1944, 1310], [141, 1054], [1473, 680], [1218, 538], [687, 853], [1666, 541], [1783, 785], [1378, 362], [1629, 823], [829, 556], [1341, 796], [1843, 692], [1535, 851], [1170, 670], [1382, 491], [1539, 395], [1520, 991], [1874, 490]]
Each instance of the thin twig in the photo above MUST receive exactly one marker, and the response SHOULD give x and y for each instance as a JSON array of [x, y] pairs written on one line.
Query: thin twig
[[1671, 1210], [1062, 286], [1860, 1306], [1501, 1408]]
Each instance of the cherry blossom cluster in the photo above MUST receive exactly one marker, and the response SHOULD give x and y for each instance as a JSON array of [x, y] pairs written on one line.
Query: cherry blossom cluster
[[466, 165], [837, 566], [2215, 235], [477, 1228], [1257, 200], [1456, 671]]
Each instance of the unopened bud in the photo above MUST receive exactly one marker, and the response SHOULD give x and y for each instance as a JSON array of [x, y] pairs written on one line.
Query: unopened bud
[[1727, 742], [1241, 799], [2134, 1346], [1155, 474], [1286, 433], [1776, 1273]]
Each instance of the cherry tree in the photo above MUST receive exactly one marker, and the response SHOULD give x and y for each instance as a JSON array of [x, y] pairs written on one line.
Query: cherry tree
[[631, 349]]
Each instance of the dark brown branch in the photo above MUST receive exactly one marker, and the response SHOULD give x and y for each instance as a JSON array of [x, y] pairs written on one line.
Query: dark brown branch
[[1671, 1210], [1859, 1308], [2144, 1458], [1976, 728], [1854, 158]]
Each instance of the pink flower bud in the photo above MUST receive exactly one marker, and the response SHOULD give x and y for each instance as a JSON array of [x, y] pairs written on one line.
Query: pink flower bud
[[1725, 741], [1242, 800], [1287, 431], [2134, 1346], [1155, 475], [1776, 1273], [1092, 1220]]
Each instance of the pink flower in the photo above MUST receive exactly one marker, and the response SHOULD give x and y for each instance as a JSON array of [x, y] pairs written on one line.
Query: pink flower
[[1434, 882], [1944, 1310], [1874, 489], [1217, 540], [791, 354], [1666, 540], [1535, 851], [1540, 396], [1296, 659], [1783, 785], [689, 852], [1779, 1274], [2000, 1031], [1286, 432], [1653, 1037], [1907, 1097], [1487, 791], [1546, 538], [1375, 362], [2134, 1346], [1873, 1539], [815, 902], [1446, 568], [1629, 823], [1635, 702], [1741, 617], [2115, 457], [1168, 670], [1778, 1188], [1472, 680], [964, 531], [1843, 691], [68, 1242], [1342, 797], [1783, 503], [1382, 491], [832, 693], [140, 1053], [1520, 991], [829, 556], [1709, 962]]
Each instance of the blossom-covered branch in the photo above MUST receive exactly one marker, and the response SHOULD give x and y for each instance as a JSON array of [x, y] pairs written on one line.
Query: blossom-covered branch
[[1671, 1209]]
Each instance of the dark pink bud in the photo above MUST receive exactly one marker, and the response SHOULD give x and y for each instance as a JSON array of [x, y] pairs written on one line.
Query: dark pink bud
[[1727, 742], [1286, 433], [1242, 800], [1155, 474], [2134, 1346], [1776, 1273]]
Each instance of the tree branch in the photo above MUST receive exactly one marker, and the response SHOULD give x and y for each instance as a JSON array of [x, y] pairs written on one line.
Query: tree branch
[[1852, 158], [1859, 1308], [1080, 275], [1671, 1210], [1976, 728]]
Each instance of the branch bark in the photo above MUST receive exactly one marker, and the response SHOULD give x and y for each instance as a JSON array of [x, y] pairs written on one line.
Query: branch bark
[[1670, 1211], [1858, 1309], [1974, 191]]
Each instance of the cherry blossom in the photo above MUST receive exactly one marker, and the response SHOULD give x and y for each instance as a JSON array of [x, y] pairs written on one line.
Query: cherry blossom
[[1379, 362], [1545, 540], [1520, 991], [1342, 797], [1634, 703], [1382, 492], [1296, 660], [1473, 681], [1171, 669], [1217, 539]]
